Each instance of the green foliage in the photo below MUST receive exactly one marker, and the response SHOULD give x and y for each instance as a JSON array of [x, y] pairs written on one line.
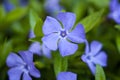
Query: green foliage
[[117, 27], [100, 3], [38, 28], [5, 49], [60, 63], [16, 14], [79, 9], [118, 42], [100, 75], [92, 20], [35, 23]]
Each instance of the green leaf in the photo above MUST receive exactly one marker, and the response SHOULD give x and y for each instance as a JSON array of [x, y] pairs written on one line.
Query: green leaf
[[60, 63], [2, 14], [36, 39], [117, 27], [118, 42], [79, 9], [16, 14], [100, 3], [92, 20], [100, 75], [5, 49], [38, 28], [39, 64], [33, 17]]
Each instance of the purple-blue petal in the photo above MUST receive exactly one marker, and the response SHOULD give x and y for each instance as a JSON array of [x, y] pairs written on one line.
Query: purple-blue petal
[[46, 51], [23, 2], [31, 34], [116, 15], [33, 71], [77, 35], [66, 76], [95, 47], [92, 67], [8, 6], [114, 4], [15, 73], [14, 60], [27, 56], [89, 62], [35, 48], [26, 76], [67, 19], [67, 48], [100, 59], [54, 8], [51, 41], [51, 25], [87, 48]]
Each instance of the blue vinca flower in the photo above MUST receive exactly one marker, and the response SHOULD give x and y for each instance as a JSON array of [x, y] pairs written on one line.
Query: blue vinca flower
[[94, 56], [115, 11], [21, 66], [59, 33], [66, 76], [37, 48]]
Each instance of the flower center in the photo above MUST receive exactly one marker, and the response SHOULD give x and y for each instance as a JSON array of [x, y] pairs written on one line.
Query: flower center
[[63, 33], [89, 57], [26, 67]]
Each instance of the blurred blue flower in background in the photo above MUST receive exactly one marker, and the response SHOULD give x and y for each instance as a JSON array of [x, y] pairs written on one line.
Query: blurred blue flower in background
[[21, 65], [37, 48], [115, 11], [66, 76], [94, 56], [53, 7], [59, 34], [8, 5]]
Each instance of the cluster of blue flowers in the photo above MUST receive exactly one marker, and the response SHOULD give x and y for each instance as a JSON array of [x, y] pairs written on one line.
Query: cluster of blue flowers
[[60, 33], [10, 6]]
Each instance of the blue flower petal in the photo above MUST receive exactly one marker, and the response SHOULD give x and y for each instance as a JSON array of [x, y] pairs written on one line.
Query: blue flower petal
[[31, 34], [100, 59], [78, 34], [67, 19], [46, 51], [8, 6], [116, 15], [51, 41], [66, 76], [54, 8], [15, 73], [26, 76], [27, 56], [14, 60], [114, 4], [66, 48], [51, 25], [95, 47], [35, 48], [92, 67], [34, 72]]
